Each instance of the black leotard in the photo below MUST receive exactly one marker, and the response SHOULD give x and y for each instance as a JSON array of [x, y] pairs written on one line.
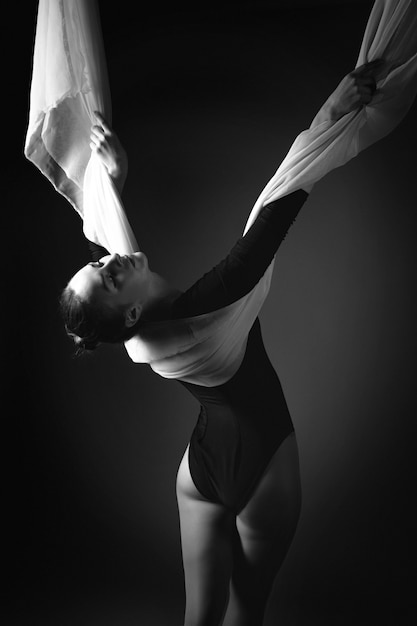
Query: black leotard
[[243, 421]]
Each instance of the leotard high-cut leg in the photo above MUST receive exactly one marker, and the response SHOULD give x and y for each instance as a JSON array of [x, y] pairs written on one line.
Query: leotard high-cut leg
[[241, 425]]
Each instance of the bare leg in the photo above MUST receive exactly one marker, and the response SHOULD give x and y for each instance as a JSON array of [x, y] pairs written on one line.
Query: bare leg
[[207, 530], [265, 527]]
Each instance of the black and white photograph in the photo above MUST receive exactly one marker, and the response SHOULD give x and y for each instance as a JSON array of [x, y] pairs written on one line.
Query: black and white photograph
[[209, 313]]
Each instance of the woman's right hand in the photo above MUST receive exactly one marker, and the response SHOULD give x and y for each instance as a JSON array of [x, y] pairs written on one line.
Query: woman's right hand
[[106, 144]]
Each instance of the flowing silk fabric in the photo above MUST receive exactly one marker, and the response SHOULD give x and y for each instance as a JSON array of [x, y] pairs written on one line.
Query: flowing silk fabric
[[391, 35], [70, 81]]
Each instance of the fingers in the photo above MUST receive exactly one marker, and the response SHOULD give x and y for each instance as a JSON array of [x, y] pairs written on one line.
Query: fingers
[[365, 82], [97, 138], [100, 134], [364, 79], [368, 69], [362, 95], [95, 145], [366, 96], [103, 123]]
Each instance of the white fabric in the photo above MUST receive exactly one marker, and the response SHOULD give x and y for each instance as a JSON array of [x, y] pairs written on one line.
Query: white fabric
[[391, 35], [71, 82]]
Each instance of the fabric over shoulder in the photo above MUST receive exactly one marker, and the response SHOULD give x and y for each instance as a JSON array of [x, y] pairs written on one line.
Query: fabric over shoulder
[[69, 85]]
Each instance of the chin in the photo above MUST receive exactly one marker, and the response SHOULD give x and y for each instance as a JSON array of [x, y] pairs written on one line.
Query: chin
[[141, 260]]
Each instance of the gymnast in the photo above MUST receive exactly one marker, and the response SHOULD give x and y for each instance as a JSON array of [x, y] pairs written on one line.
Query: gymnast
[[238, 484]]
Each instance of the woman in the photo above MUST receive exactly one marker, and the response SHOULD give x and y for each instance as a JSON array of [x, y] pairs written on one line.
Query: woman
[[238, 485]]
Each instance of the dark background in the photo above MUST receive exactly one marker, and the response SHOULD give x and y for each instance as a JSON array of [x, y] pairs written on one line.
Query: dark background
[[207, 101]]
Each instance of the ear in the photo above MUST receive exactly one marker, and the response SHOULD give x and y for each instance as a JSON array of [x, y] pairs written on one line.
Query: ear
[[132, 315]]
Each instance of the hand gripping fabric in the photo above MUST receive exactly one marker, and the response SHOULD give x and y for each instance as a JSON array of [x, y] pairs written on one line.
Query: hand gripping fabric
[[70, 83]]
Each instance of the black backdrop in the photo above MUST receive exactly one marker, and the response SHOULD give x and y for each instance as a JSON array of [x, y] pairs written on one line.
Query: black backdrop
[[207, 101]]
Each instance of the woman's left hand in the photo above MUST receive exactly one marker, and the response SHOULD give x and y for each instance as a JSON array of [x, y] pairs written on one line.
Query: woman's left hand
[[354, 91], [106, 144]]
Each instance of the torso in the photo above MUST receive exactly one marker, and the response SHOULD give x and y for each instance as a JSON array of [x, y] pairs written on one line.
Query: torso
[[240, 426]]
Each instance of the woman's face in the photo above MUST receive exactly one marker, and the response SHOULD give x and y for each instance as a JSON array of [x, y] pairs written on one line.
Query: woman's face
[[115, 281]]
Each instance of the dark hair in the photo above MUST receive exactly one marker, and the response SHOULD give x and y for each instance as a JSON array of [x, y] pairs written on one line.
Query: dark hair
[[89, 323]]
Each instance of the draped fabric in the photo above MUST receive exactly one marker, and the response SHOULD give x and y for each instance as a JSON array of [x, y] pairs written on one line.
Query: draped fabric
[[391, 35], [70, 81]]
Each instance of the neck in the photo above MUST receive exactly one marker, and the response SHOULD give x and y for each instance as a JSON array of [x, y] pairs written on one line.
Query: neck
[[160, 297]]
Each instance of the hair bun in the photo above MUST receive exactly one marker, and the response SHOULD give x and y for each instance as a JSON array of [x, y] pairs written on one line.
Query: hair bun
[[83, 343], [77, 340]]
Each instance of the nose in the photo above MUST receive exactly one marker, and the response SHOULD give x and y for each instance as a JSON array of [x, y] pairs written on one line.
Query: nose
[[113, 260]]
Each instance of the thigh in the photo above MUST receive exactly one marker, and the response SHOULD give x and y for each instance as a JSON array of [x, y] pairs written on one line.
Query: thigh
[[265, 526], [276, 499], [207, 530]]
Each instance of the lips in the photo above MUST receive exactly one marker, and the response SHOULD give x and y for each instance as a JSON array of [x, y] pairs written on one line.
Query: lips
[[127, 260]]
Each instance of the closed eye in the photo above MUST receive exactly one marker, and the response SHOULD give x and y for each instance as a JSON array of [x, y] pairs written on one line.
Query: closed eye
[[107, 278]]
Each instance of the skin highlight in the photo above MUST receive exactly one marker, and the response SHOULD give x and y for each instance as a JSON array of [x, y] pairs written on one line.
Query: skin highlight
[[124, 283]]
